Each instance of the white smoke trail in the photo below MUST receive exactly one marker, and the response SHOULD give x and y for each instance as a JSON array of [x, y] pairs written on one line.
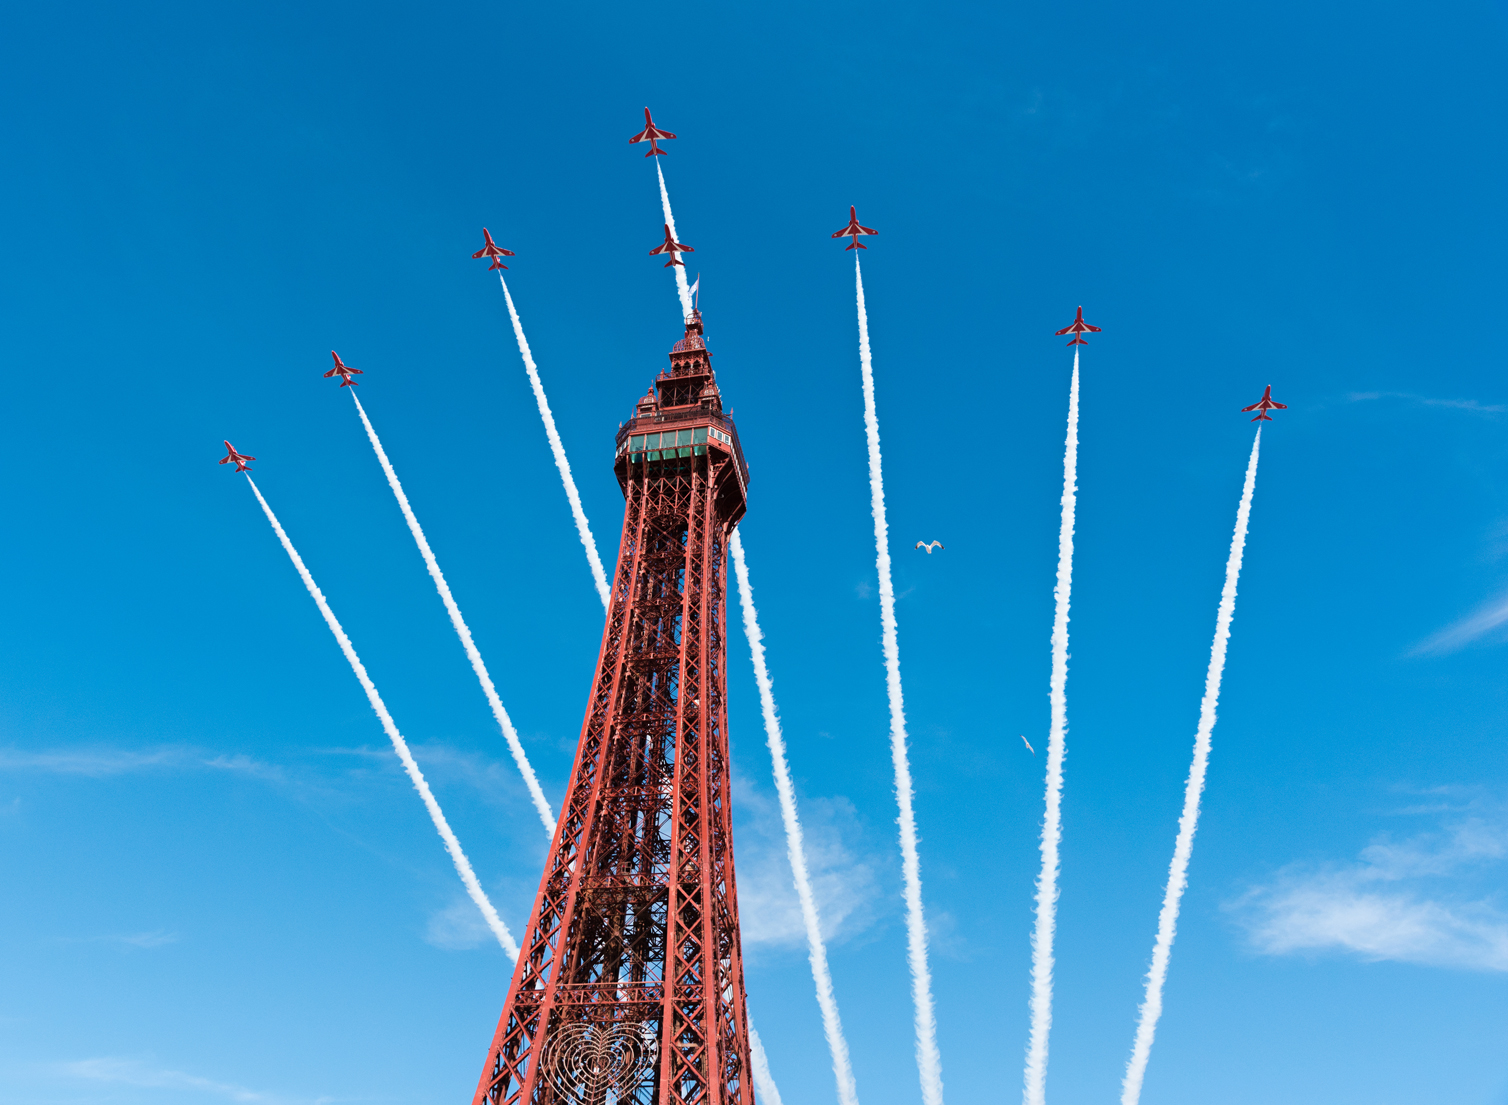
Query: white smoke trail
[[1178, 871], [503, 720], [764, 1082], [582, 527], [452, 845], [680, 270], [1035, 1078], [928, 1060], [832, 1025]]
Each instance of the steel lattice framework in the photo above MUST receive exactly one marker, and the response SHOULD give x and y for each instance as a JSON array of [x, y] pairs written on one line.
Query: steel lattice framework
[[630, 988]]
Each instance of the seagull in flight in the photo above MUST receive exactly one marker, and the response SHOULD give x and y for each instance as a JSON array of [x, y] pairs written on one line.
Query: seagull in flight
[[929, 546], [1028, 744]]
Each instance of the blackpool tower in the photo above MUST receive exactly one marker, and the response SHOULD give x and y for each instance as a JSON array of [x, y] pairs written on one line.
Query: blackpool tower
[[630, 986]]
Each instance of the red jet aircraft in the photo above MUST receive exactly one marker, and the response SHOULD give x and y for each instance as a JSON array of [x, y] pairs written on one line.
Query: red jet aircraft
[[853, 230], [672, 247], [237, 457], [1078, 328], [649, 134], [493, 251], [343, 371], [1263, 405]]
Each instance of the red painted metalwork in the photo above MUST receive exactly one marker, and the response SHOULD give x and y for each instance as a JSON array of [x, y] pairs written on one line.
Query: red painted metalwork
[[630, 986]]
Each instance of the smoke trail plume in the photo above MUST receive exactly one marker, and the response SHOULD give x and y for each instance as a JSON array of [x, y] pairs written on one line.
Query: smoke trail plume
[[503, 720], [1035, 1078], [928, 1060], [832, 1025], [1178, 870], [582, 527], [452, 845], [680, 270], [764, 1082]]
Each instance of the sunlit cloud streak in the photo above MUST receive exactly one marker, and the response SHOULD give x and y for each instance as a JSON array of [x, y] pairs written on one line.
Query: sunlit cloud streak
[[844, 881], [1451, 404], [133, 1072], [400, 746], [457, 927], [1458, 635], [1432, 899], [96, 762], [155, 939]]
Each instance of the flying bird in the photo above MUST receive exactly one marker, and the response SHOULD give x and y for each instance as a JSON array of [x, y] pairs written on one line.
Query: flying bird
[[1028, 744], [493, 251], [1078, 328], [344, 371], [649, 134], [232, 455], [853, 230], [672, 247], [929, 546], [1263, 405]]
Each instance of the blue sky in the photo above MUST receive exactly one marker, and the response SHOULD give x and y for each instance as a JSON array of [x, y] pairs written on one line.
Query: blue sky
[[219, 885]]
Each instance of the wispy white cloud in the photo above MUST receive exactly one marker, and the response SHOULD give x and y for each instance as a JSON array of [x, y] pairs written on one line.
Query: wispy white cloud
[[133, 1072], [1430, 899], [242, 764], [360, 752], [1480, 623], [102, 761], [494, 779], [96, 762], [155, 939], [1424, 401], [843, 879], [457, 927]]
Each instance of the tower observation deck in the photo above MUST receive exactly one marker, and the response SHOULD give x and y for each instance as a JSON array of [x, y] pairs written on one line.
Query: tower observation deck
[[629, 989]]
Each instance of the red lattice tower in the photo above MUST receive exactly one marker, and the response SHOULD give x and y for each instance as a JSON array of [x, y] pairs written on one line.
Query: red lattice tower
[[630, 987]]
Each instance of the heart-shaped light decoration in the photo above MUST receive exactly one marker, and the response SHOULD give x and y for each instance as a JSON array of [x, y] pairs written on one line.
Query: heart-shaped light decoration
[[587, 1060]]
